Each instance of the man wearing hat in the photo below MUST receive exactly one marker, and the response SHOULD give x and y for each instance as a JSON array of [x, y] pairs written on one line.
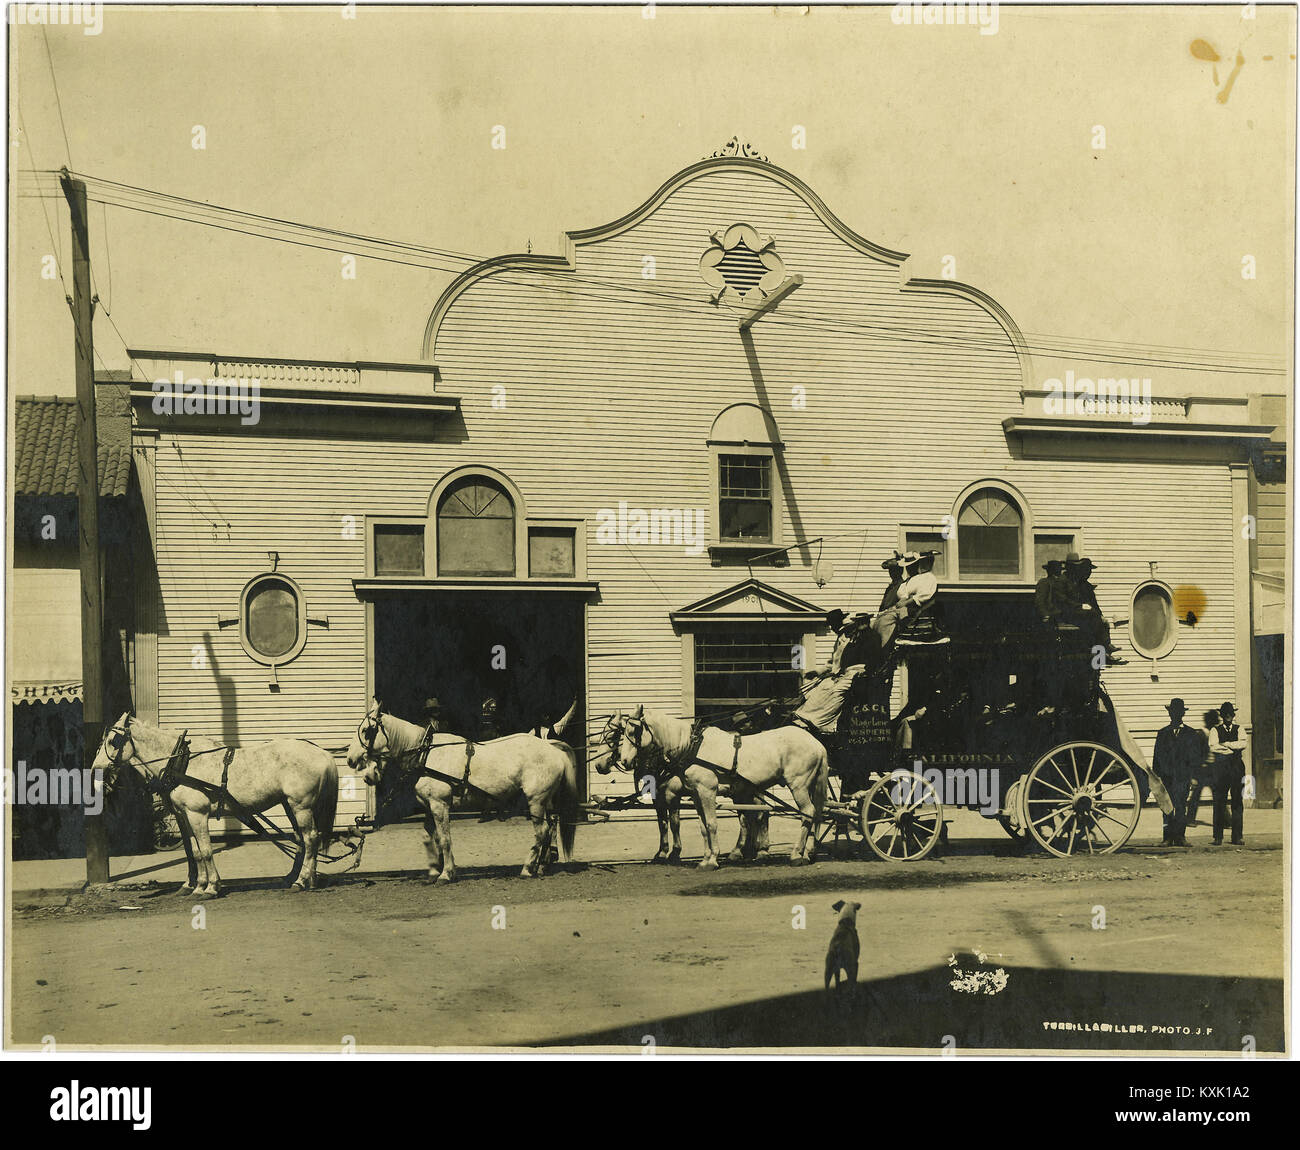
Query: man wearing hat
[[432, 712], [1178, 755], [836, 620], [1083, 610], [894, 568], [1226, 745], [1052, 592]]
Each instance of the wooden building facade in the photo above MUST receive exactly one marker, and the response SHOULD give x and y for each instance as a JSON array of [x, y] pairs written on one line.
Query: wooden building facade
[[577, 491]]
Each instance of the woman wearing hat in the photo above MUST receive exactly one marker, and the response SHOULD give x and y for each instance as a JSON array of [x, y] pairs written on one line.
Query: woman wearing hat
[[915, 592], [1226, 745]]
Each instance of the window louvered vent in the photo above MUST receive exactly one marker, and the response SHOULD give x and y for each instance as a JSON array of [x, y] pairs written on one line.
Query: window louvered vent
[[741, 268]]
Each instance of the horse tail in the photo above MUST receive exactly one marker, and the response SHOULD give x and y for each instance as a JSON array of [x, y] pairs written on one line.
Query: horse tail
[[326, 803], [567, 808], [559, 726]]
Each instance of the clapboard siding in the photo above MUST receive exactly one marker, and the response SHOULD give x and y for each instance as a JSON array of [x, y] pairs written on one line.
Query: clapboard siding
[[1270, 526], [612, 383]]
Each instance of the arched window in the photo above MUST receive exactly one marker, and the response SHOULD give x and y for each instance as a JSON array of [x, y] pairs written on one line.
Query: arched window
[[272, 619], [990, 530], [1153, 630], [743, 445], [476, 528]]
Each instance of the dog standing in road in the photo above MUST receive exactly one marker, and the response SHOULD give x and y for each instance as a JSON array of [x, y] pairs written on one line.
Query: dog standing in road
[[842, 954]]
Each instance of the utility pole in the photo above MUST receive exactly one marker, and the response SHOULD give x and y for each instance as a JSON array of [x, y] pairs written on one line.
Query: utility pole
[[92, 612]]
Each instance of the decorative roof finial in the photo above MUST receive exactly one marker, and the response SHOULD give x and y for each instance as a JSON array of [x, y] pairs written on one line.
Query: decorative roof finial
[[733, 149]]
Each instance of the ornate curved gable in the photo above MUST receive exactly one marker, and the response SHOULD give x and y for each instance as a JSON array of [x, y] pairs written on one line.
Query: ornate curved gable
[[721, 235]]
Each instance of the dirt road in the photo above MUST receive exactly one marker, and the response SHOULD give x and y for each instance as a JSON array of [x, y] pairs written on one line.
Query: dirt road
[[633, 955]]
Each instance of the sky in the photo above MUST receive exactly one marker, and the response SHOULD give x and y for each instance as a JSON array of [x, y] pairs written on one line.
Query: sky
[[934, 140]]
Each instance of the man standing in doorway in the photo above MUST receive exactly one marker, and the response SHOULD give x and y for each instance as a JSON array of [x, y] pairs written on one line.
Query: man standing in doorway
[[1178, 754], [1226, 744], [432, 713]]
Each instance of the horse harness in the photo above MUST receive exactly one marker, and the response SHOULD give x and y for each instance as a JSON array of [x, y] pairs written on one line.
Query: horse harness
[[420, 753], [175, 774], [690, 756]]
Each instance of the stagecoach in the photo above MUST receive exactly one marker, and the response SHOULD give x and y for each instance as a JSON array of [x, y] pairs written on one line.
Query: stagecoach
[[1000, 713]]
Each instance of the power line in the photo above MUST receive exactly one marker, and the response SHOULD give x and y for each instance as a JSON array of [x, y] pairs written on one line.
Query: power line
[[58, 103], [134, 198], [471, 258]]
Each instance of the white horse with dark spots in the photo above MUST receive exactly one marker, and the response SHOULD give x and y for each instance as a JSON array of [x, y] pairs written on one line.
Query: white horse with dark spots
[[294, 774], [543, 771], [787, 755]]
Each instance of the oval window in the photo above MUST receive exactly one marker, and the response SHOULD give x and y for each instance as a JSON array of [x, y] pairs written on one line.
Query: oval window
[[271, 626], [1152, 628]]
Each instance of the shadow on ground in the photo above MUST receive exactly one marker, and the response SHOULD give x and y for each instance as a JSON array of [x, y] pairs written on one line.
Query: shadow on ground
[[918, 1010]]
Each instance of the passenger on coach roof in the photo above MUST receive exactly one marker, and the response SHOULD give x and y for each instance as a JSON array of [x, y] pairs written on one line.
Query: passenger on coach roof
[[1083, 610], [1052, 594], [915, 595]]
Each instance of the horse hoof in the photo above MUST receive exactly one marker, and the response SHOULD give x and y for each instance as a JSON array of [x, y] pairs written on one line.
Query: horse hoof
[[185, 891], [736, 856], [297, 887], [708, 864], [660, 858], [675, 858], [799, 860], [445, 877]]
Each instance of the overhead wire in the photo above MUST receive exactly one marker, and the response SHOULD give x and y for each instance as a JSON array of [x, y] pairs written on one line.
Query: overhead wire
[[968, 335]]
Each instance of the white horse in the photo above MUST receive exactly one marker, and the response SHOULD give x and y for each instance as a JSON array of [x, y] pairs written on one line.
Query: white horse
[[788, 755], [544, 771], [292, 773], [667, 793]]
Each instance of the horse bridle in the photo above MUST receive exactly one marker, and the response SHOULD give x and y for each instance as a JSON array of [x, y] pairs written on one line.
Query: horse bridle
[[626, 727], [609, 739], [115, 739], [368, 741]]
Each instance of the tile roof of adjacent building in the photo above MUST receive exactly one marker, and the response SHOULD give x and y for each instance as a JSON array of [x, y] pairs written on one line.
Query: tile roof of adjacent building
[[45, 450]]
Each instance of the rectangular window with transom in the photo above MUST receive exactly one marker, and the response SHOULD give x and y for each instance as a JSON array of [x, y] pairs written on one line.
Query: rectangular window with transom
[[745, 498], [741, 669]]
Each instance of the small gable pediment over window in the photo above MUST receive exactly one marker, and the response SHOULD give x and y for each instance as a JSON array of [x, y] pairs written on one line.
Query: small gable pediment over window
[[754, 601]]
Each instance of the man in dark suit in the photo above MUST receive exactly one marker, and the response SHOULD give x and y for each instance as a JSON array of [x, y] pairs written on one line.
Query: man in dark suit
[[1052, 592], [1084, 611], [1178, 755], [1226, 744]]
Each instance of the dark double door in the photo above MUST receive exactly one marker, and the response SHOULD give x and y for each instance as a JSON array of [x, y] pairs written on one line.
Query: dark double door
[[524, 650]]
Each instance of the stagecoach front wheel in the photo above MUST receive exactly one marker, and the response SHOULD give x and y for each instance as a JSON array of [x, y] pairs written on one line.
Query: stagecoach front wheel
[[1081, 798], [901, 817]]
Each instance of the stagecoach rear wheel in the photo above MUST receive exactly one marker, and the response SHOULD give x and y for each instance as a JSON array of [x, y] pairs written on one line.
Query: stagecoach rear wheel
[[901, 817], [1081, 798]]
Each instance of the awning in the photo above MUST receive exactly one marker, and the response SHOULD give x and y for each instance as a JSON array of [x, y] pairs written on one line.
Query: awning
[[41, 692]]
